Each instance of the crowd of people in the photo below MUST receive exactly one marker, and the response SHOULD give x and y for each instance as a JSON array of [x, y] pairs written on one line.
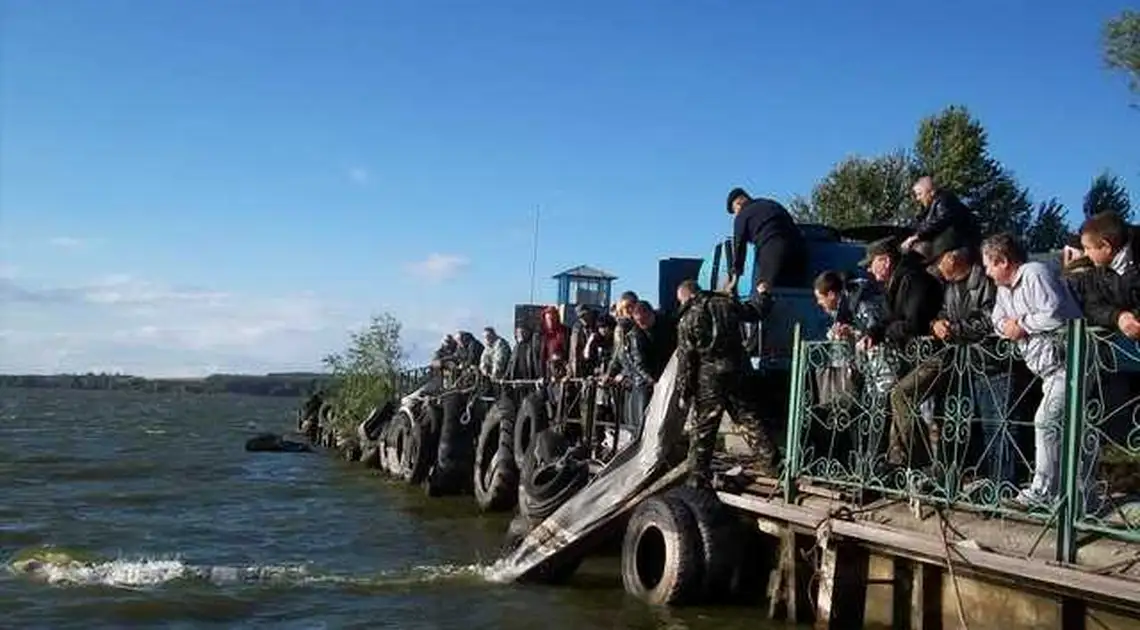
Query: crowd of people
[[946, 280]]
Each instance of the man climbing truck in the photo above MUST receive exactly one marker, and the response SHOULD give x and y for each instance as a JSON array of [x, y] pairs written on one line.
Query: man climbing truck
[[781, 251], [710, 376]]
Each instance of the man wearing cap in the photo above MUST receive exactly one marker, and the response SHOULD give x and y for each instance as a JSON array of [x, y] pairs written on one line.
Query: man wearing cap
[[913, 296], [781, 252]]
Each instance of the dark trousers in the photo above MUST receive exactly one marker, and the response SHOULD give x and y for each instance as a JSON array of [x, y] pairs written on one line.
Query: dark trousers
[[716, 394], [781, 262], [916, 386]]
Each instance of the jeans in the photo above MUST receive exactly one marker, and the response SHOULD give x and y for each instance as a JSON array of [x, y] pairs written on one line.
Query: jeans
[[991, 398], [1047, 423], [636, 400]]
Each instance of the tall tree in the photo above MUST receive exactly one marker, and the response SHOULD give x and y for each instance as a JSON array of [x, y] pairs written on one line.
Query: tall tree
[[365, 374], [1049, 230], [953, 148], [1122, 46], [1107, 194], [861, 191]]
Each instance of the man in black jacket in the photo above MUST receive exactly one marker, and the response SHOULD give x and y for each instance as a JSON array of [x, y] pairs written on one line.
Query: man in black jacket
[[781, 252], [661, 333], [941, 209], [1110, 293], [913, 299], [526, 362], [710, 370]]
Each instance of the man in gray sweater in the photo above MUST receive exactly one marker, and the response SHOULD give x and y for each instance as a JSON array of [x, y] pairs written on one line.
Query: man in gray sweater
[[1031, 309]]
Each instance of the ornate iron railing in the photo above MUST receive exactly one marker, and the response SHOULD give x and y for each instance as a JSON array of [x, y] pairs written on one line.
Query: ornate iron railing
[[970, 410]]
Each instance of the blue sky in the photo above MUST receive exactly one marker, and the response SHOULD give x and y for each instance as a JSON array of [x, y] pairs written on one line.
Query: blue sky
[[189, 187]]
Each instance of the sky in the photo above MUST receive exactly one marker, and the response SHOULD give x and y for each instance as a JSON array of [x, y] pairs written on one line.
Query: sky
[[191, 187]]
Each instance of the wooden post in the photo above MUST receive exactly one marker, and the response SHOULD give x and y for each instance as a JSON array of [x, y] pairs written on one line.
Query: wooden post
[[926, 598], [842, 598], [789, 580], [901, 594]]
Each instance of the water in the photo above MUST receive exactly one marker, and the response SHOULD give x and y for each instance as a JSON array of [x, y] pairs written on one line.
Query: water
[[139, 510]]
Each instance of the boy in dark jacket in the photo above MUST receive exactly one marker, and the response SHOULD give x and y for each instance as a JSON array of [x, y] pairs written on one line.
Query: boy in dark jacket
[[1110, 293]]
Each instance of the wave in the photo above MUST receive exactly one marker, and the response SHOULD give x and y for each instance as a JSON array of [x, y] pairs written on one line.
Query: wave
[[58, 567]]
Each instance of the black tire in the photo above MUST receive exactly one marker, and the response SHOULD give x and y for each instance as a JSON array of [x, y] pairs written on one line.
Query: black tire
[[419, 449], [530, 421], [719, 532], [552, 485], [496, 477], [661, 556], [377, 418], [397, 443]]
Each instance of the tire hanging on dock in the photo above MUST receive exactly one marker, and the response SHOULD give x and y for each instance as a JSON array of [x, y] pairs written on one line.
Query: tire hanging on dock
[[662, 558], [551, 475], [452, 472], [531, 420], [496, 475], [419, 446]]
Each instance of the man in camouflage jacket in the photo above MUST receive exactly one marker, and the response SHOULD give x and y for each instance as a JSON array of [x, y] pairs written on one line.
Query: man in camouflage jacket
[[710, 374]]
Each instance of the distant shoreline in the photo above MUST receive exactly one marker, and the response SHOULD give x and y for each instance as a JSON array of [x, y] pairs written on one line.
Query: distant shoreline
[[283, 384]]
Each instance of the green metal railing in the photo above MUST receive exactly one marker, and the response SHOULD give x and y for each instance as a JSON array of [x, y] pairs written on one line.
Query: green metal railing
[[842, 408]]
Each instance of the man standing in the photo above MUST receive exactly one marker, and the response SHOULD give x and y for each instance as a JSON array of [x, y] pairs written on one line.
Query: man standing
[[661, 333], [1031, 308], [710, 371], [781, 252]]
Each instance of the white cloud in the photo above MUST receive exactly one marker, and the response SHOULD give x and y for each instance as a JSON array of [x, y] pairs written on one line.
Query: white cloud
[[66, 242], [151, 328], [359, 175], [438, 267]]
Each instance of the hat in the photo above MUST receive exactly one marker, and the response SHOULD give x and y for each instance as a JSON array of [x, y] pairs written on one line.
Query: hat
[[947, 240], [885, 245], [732, 195]]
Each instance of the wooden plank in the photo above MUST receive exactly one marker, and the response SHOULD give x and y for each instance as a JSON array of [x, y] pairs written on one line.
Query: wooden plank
[[926, 598], [1060, 581]]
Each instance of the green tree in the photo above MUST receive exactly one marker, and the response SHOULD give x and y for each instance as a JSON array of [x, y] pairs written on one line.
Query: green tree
[[1122, 46], [1107, 194], [1049, 230], [953, 147], [861, 191], [366, 373]]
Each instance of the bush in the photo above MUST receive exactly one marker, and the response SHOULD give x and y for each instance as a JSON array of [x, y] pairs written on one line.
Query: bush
[[366, 373]]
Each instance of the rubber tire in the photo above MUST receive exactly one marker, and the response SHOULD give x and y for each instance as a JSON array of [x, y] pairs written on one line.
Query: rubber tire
[[371, 457], [719, 531], [664, 522], [551, 486], [531, 420], [397, 441], [419, 449], [495, 475], [377, 418]]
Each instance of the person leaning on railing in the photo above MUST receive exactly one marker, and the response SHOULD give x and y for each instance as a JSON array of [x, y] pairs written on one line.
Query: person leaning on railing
[[1110, 292], [913, 299], [1031, 308], [966, 323], [853, 306]]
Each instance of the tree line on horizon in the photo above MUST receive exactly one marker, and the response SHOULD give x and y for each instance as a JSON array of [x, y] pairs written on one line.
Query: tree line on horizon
[[953, 147], [290, 384]]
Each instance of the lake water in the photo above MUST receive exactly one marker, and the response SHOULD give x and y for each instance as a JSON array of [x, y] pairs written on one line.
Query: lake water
[[139, 510]]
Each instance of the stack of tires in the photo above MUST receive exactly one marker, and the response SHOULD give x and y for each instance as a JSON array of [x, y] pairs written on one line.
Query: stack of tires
[[407, 443], [686, 547]]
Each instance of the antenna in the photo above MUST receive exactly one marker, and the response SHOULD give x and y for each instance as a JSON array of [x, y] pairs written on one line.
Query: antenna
[[534, 251]]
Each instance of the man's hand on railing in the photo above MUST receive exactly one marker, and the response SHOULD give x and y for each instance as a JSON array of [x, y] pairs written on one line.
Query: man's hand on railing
[[1129, 325], [941, 329], [1011, 329]]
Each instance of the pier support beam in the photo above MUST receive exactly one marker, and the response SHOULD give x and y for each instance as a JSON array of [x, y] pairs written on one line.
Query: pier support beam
[[842, 597], [790, 580]]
